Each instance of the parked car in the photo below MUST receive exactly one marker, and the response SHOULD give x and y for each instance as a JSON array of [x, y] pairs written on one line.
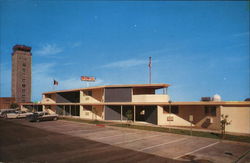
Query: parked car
[[42, 116], [4, 112], [18, 114]]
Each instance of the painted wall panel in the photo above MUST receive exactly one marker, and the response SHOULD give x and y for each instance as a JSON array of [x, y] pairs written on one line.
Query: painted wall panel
[[68, 97], [240, 117], [112, 113], [118, 95]]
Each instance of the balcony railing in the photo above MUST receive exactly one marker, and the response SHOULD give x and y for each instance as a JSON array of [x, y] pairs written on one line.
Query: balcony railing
[[150, 98]]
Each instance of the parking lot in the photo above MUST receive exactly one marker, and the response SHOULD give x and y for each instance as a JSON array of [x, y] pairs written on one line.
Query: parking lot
[[166, 145]]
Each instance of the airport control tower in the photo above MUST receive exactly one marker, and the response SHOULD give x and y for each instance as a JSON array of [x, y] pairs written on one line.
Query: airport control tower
[[21, 73]]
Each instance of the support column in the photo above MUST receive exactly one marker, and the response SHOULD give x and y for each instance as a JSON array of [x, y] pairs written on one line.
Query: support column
[[104, 110], [121, 113], [70, 110], [64, 110], [134, 113]]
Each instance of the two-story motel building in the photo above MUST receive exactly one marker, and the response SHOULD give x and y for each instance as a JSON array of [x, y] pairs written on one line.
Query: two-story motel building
[[114, 101]]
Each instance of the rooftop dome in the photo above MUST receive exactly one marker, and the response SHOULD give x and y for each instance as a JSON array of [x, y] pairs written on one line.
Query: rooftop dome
[[216, 97]]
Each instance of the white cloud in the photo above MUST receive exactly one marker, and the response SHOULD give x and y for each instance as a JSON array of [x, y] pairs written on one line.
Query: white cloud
[[43, 76], [74, 83], [5, 82], [241, 34], [76, 44], [48, 49], [42, 79], [126, 63]]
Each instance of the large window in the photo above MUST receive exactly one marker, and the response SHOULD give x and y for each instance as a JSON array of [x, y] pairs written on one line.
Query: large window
[[210, 110], [171, 109], [75, 111], [71, 110]]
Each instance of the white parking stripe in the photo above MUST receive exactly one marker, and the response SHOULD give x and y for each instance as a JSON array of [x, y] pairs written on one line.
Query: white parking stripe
[[143, 149], [136, 139], [197, 150], [115, 136], [73, 131]]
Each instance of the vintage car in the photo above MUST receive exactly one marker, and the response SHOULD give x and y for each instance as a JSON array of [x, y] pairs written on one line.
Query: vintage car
[[42, 116], [18, 114], [4, 112]]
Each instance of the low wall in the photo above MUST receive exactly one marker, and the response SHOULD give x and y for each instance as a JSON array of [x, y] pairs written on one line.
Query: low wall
[[150, 98]]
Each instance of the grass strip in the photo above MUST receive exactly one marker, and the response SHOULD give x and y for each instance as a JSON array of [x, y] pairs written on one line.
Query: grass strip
[[84, 120], [187, 132]]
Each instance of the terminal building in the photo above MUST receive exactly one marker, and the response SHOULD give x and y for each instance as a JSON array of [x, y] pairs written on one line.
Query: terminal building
[[114, 102]]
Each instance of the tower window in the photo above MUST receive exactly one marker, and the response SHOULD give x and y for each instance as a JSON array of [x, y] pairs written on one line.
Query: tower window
[[24, 64], [23, 85]]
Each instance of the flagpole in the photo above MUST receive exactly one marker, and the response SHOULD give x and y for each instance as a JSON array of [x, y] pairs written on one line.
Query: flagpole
[[149, 66], [53, 84]]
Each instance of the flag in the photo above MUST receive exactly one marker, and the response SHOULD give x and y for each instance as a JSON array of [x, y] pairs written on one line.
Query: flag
[[55, 82], [150, 62]]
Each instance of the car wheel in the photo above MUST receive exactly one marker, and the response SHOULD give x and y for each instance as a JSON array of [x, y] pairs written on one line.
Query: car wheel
[[55, 118]]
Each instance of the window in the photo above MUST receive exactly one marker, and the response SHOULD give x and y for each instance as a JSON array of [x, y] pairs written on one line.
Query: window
[[210, 110], [142, 112], [23, 85], [88, 93], [48, 95], [24, 64], [174, 109]]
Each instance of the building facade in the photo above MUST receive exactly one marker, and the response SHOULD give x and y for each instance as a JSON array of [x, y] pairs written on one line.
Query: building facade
[[21, 73], [115, 102], [5, 102]]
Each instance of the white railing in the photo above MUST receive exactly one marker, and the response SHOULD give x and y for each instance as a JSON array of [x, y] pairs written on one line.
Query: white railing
[[88, 99], [47, 100]]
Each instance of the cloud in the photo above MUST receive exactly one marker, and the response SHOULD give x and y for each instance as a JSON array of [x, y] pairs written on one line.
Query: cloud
[[43, 76], [241, 34], [75, 83], [49, 49], [5, 83], [126, 63], [42, 79], [76, 44]]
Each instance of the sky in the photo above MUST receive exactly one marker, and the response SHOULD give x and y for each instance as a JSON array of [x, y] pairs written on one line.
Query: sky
[[199, 48]]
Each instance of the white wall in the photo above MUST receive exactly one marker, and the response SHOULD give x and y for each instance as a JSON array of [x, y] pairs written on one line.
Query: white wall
[[150, 98], [177, 121], [240, 117]]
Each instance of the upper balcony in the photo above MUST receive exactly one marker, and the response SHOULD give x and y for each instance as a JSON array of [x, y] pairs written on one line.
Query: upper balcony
[[91, 96], [47, 101], [150, 98]]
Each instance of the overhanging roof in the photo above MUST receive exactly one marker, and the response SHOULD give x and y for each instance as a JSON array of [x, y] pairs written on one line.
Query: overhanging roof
[[154, 86], [195, 103]]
